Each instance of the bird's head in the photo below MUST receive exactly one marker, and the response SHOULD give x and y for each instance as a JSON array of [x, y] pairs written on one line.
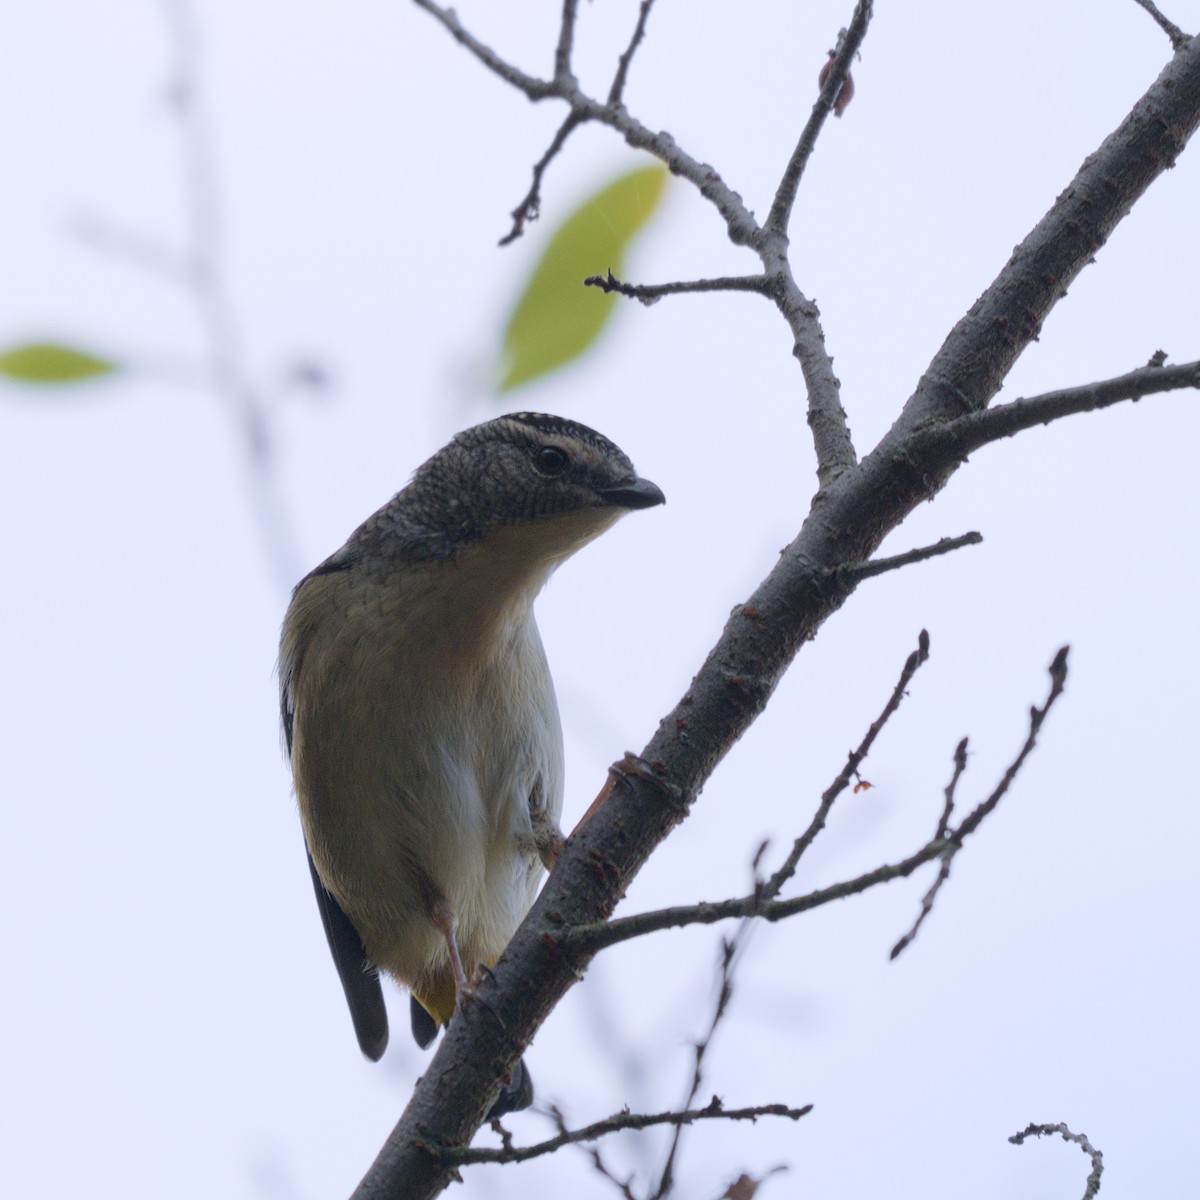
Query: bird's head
[[528, 484]]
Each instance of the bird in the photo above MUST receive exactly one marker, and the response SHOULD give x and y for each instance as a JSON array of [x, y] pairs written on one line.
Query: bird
[[420, 718]]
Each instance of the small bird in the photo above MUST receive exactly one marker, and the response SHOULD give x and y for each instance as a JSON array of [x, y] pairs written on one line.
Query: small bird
[[420, 718]]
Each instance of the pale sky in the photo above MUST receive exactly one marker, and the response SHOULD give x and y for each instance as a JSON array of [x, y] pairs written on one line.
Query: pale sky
[[171, 1022]]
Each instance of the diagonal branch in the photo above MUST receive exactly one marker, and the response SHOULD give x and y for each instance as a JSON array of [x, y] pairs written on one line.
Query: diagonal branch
[[848, 520], [1177, 36], [915, 661], [531, 85], [531, 203], [848, 44], [980, 350]]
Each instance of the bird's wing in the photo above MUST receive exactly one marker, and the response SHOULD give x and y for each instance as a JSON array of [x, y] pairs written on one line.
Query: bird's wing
[[360, 980]]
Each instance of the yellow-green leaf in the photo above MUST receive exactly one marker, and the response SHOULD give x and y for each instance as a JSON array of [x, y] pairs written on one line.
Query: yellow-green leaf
[[557, 318], [51, 362]]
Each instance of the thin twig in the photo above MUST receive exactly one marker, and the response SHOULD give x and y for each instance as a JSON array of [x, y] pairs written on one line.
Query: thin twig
[[1092, 1186], [1177, 36], [566, 40], [461, 1156], [953, 838], [205, 282], [976, 429], [531, 203], [617, 91], [730, 951], [1058, 680], [848, 44], [926, 902], [139, 250], [594, 937], [591, 939], [625, 1187], [651, 293], [878, 566], [531, 85], [960, 765], [912, 665]]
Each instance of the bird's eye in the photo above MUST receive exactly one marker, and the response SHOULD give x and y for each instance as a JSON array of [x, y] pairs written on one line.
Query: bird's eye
[[550, 460]]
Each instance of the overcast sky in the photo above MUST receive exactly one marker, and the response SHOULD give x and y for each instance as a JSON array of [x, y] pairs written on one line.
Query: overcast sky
[[170, 1022]]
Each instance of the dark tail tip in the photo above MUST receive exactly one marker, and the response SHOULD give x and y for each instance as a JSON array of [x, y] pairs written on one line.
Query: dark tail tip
[[516, 1094]]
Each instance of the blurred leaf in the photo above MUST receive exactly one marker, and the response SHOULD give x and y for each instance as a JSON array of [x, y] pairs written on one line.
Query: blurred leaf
[[557, 318], [50, 362]]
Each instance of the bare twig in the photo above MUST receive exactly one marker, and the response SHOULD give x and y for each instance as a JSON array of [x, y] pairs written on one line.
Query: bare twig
[[1177, 36], [960, 765], [650, 293], [1092, 1187], [975, 429], [617, 91], [624, 1186], [952, 847], [827, 420], [139, 250], [1058, 680], [461, 1156], [849, 42], [879, 566], [594, 937], [531, 203], [912, 665], [205, 282], [531, 85], [730, 952], [953, 838], [566, 41]]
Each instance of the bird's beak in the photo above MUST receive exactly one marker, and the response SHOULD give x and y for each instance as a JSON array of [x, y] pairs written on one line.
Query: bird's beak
[[638, 493]]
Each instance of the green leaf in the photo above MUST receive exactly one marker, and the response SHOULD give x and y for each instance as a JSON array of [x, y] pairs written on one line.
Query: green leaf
[[557, 318], [51, 362]]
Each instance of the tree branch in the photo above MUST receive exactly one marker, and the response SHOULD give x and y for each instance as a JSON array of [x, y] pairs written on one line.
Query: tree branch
[[531, 85], [831, 435], [651, 293], [1177, 36], [530, 205], [849, 518], [617, 92], [730, 950], [980, 350], [462, 1156], [849, 42], [973, 430], [880, 566], [1092, 1187], [946, 842], [566, 40], [915, 661]]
